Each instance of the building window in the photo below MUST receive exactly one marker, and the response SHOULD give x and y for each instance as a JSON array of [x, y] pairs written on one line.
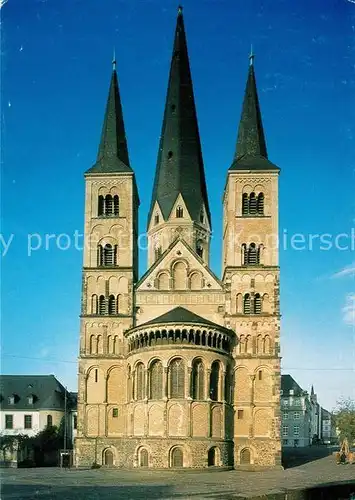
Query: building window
[[198, 380], [252, 204], [102, 305], [177, 379], [251, 254], [140, 382], [112, 305], [156, 380], [28, 421], [285, 415], [49, 420], [245, 204], [11, 400], [179, 212], [285, 442], [75, 422], [170, 155], [295, 442], [297, 402], [156, 219], [9, 421], [214, 381], [296, 430], [240, 414], [260, 204], [285, 402], [296, 415], [260, 375], [284, 430], [107, 255], [199, 249], [108, 205], [30, 400], [96, 374], [247, 304], [157, 252], [115, 412]]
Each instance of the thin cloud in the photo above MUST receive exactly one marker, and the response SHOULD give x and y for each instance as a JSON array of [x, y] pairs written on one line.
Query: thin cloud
[[349, 310], [346, 271]]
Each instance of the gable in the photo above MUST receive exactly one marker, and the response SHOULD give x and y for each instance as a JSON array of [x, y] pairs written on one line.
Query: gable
[[179, 268]]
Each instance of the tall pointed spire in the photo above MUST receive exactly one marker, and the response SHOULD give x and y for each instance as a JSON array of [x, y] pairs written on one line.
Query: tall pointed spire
[[180, 166], [251, 151], [113, 152]]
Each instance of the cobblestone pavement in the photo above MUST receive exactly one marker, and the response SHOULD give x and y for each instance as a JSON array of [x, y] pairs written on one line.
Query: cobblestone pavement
[[103, 484]]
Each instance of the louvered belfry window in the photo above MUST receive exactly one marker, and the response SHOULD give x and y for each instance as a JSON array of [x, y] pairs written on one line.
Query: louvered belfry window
[[108, 205], [247, 304], [116, 205], [257, 304], [102, 305], [156, 380], [260, 204], [177, 379], [252, 204], [112, 305], [245, 204], [101, 206], [252, 254]]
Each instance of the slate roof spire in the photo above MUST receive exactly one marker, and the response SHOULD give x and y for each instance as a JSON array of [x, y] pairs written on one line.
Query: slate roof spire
[[251, 151], [179, 167], [112, 155]]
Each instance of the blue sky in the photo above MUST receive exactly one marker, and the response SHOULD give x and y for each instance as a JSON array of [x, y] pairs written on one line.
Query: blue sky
[[56, 65]]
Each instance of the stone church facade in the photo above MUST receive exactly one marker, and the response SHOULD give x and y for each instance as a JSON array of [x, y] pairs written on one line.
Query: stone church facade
[[180, 368]]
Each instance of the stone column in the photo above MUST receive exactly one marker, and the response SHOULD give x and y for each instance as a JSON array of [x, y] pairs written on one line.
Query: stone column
[[165, 383], [188, 382], [207, 385], [146, 385], [106, 388]]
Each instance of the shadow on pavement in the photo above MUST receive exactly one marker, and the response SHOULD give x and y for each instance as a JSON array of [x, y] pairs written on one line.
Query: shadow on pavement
[[295, 457]]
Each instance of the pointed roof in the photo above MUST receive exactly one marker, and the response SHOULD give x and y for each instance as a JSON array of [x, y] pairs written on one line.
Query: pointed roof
[[113, 152], [182, 315], [180, 166], [251, 151], [312, 390]]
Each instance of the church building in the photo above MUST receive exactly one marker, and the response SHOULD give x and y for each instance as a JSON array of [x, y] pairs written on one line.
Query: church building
[[179, 367]]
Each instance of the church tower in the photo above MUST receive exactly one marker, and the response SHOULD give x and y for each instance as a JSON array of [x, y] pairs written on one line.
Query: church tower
[[110, 269], [179, 205], [250, 273]]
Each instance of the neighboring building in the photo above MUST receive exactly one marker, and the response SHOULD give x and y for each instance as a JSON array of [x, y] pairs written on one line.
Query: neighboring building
[[180, 368], [316, 418], [30, 403], [296, 424], [329, 434]]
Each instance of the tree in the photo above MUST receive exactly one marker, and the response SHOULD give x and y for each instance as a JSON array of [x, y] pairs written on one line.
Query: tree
[[344, 415]]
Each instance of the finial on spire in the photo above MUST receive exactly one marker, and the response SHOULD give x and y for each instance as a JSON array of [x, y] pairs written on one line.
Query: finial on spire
[[251, 56], [180, 10], [114, 59]]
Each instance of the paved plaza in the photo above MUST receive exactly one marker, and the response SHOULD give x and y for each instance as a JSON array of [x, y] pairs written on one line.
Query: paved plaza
[[102, 484]]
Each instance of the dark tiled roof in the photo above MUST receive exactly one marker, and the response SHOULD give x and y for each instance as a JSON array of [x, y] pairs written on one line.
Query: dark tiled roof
[[113, 151], [47, 392], [181, 315], [251, 151], [180, 166], [287, 384]]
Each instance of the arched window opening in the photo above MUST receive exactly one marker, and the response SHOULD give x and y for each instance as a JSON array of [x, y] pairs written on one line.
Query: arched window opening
[[156, 219], [177, 458], [227, 387], [100, 206], [267, 345], [108, 205], [156, 380], [102, 305], [214, 381], [260, 375], [257, 304], [143, 458], [245, 204], [244, 254], [199, 249], [112, 305], [247, 304], [179, 212], [260, 204], [252, 204], [49, 420], [177, 379], [180, 276], [157, 252], [107, 255], [116, 205], [198, 380], [139, 382], [245, 457], [195, 281], [252, 254]]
